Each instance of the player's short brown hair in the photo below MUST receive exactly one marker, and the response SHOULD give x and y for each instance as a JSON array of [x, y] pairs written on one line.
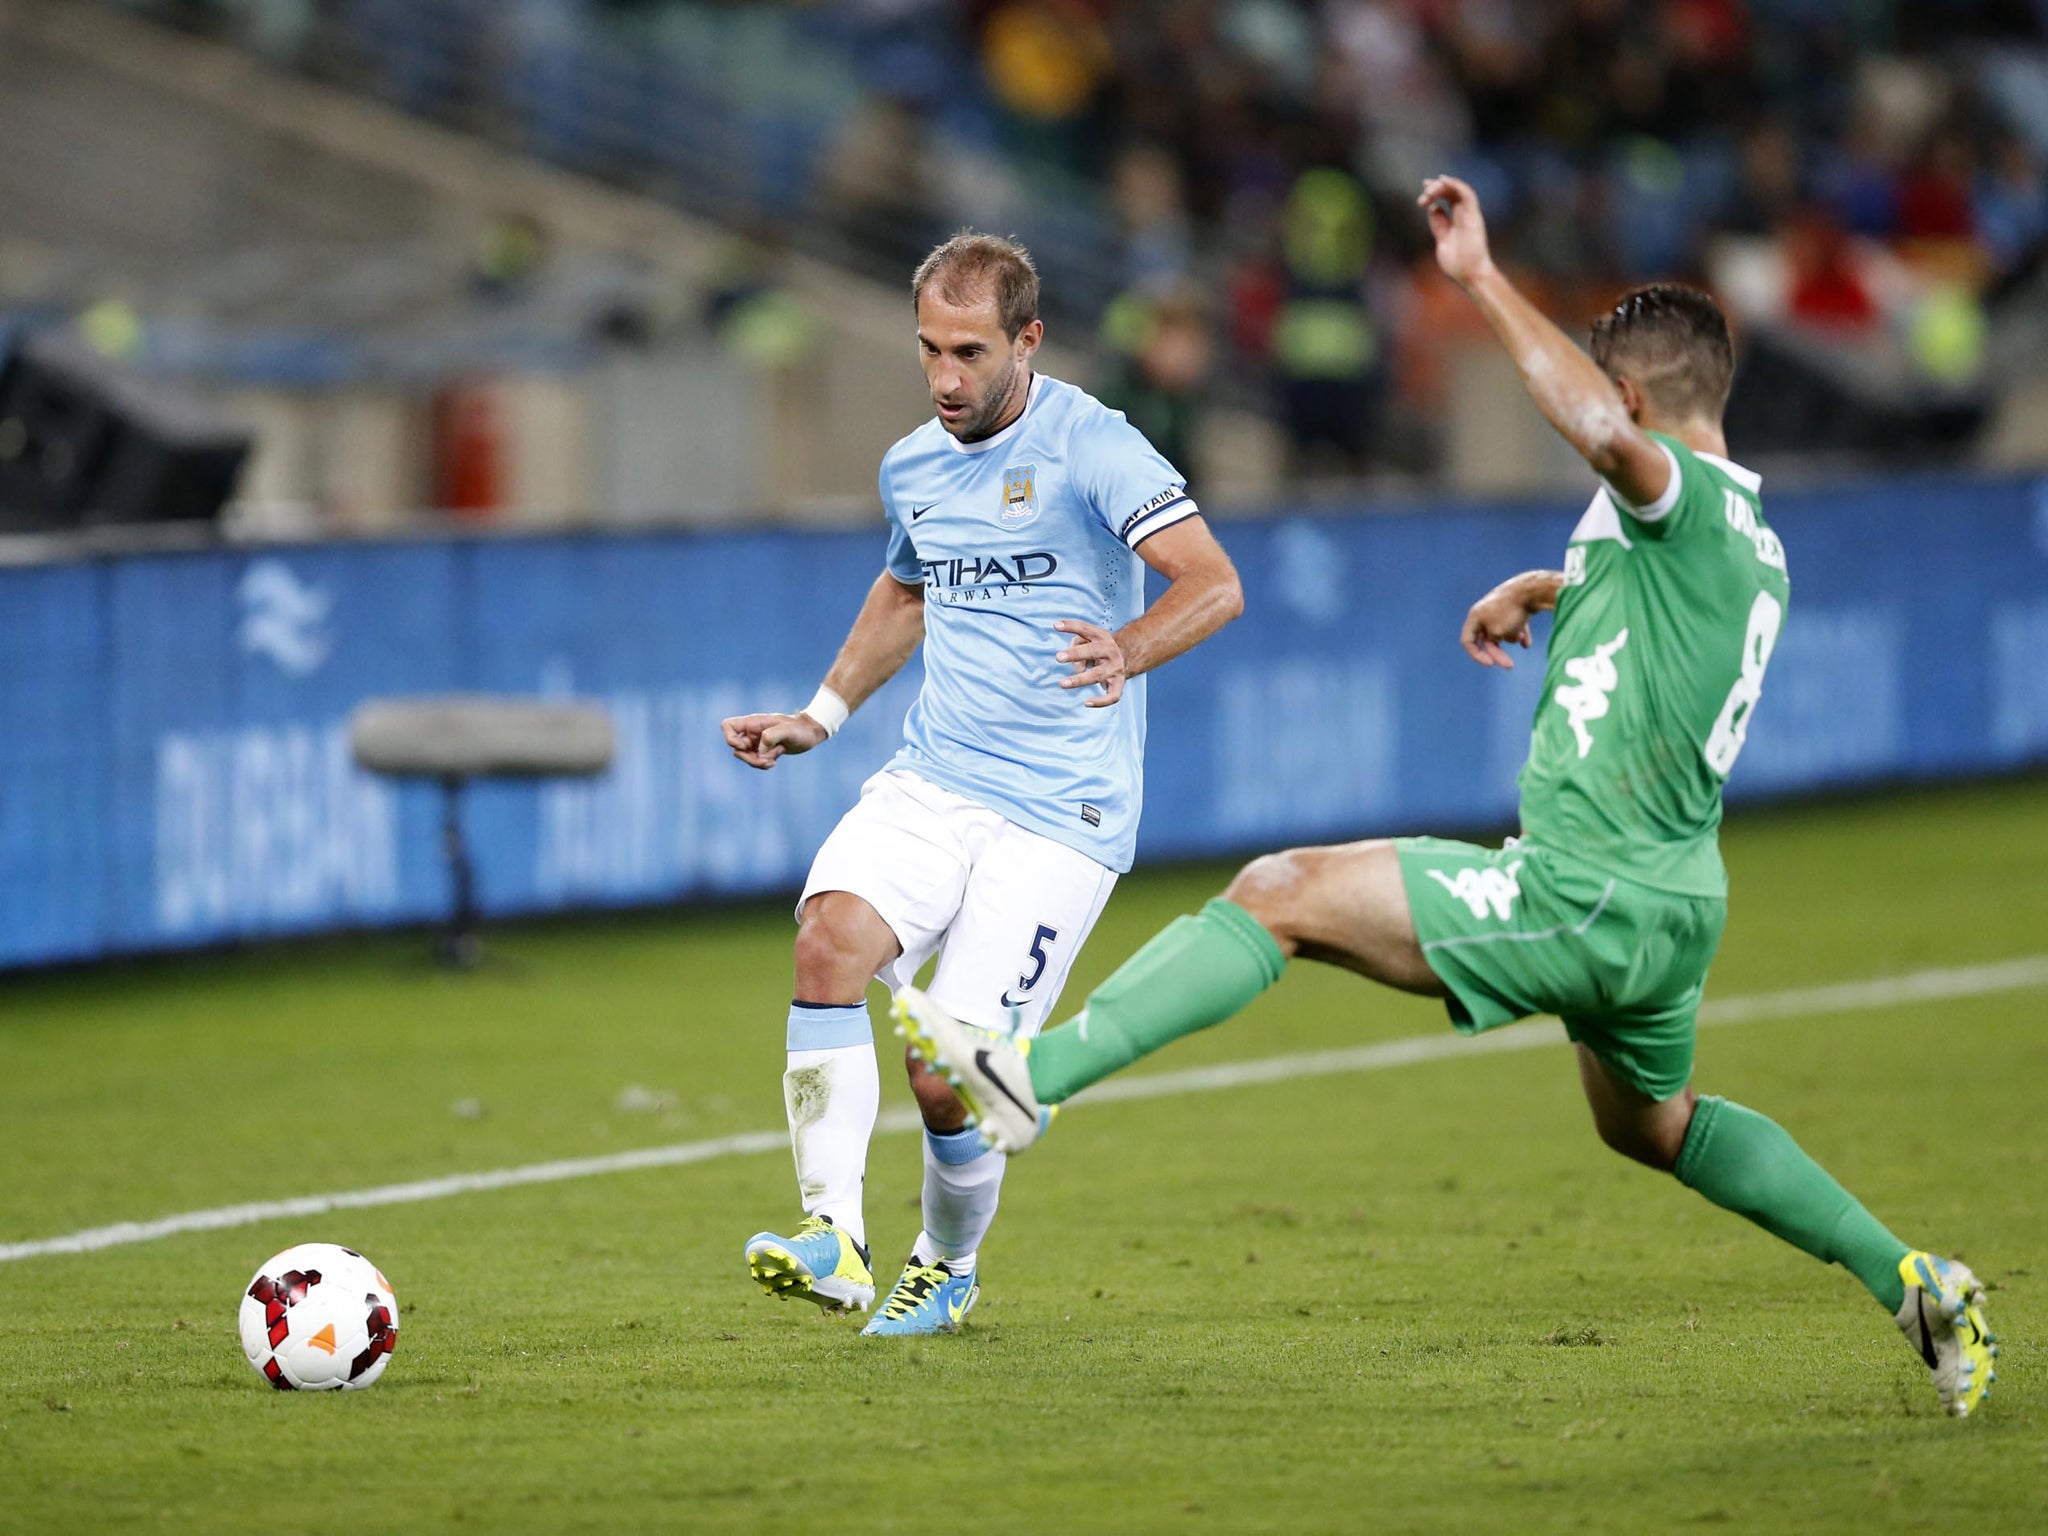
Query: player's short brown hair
[[1672, 340], [967, 266]]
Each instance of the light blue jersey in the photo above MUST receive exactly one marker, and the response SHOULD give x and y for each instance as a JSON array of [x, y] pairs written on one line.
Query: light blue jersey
[[1038, 523]]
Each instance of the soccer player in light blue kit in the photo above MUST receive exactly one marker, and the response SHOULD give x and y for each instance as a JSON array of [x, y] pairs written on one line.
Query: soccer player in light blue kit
[[1017, 521]]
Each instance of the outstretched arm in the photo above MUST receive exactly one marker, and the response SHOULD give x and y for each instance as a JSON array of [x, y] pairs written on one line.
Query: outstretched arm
[[1567, 385], [1501, 618], [1202, 595], [889, 628]]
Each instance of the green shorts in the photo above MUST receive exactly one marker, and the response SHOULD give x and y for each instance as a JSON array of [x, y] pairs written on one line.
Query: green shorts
[[1521, 930]]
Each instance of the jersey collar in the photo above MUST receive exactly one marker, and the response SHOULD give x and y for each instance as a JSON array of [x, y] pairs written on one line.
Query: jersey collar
[[996, 440], [1748, 479]]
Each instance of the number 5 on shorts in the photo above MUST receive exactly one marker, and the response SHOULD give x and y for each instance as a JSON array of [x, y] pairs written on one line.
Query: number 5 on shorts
[[1039, 940]]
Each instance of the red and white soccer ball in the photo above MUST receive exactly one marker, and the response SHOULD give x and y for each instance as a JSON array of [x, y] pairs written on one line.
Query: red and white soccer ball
[[317, 1317]]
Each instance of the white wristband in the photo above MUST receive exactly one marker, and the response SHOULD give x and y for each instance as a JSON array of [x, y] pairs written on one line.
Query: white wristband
[[828, 709]]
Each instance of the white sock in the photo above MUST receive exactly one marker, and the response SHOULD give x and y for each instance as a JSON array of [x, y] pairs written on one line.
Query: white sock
[[832, 1097], [925, 1251], [963, 1181]]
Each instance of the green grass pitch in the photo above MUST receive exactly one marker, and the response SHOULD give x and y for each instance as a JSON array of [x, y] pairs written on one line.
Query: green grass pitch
[[1417, 1299]]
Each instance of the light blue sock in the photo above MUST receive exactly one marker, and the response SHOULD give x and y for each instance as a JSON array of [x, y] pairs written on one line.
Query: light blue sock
[[829, 1026], [954, 1148]]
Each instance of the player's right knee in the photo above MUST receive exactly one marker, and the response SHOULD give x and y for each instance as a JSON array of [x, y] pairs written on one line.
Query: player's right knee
[[1270, 886], [828, 951]]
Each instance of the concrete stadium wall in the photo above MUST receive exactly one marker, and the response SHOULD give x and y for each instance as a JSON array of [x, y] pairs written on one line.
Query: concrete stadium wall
[[174, 768]]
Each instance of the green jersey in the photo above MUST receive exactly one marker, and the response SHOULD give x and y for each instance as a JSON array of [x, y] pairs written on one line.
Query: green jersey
[[1665, 624]]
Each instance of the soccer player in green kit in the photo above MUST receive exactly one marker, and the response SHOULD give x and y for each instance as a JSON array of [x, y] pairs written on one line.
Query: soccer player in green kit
[[1608, 908]]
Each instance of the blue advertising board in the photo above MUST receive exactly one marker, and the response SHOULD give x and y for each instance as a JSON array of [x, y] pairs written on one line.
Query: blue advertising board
[[174, 766]]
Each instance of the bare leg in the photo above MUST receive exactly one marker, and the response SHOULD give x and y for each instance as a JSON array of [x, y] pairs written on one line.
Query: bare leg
[[936, 1101], [841, 942], [1746, 1163], [831, 1086], [1343, 905], [1649, 1130]]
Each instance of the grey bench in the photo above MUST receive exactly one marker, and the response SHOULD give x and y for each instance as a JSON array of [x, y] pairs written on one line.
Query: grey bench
[[453, 738]]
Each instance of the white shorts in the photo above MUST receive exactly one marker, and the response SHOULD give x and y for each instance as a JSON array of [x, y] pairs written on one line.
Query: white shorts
[[1010, 906]]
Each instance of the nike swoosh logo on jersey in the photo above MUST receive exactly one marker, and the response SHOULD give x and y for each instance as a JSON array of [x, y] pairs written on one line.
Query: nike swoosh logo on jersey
[[981, 1065], [917, 512], [1014, 1002]]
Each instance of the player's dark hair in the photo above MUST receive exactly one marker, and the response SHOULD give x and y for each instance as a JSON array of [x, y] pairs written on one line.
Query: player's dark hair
[[970, 263], [1672, 340]]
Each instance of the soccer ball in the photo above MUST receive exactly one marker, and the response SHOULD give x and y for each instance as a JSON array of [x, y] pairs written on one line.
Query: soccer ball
[[317, 1317]]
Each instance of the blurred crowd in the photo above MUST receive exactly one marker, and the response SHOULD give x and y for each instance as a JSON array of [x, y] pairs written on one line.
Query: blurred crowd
[[1870, 171], [1220, 192]]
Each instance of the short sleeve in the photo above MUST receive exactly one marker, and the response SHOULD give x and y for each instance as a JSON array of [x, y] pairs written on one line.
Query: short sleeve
[[1126, 481], [1658, 518], [901, 560]]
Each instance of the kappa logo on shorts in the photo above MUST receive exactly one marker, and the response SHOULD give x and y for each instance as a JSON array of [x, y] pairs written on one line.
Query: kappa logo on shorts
[[1484, 890]]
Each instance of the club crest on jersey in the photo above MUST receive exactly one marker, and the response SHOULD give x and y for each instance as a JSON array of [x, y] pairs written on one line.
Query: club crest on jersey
[[1020, 495]]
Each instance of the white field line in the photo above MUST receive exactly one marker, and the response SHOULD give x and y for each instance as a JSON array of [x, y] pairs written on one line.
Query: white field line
[[1800, 1002]]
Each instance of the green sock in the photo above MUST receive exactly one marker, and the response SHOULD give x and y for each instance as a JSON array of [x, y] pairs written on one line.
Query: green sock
[[1745, 1162], [1195, 972]]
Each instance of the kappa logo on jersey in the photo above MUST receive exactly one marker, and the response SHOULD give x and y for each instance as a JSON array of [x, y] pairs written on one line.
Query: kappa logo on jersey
[[978, 578], [1020, 495], [1484, 890], [1585, 697]]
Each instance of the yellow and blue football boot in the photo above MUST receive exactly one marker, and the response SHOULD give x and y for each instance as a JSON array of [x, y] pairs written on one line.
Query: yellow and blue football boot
[[819, 1264], [1943, 1318], [985, 1066], [929, 1298]]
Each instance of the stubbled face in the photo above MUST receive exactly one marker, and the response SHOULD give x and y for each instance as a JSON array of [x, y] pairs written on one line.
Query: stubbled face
[[976, 373]]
